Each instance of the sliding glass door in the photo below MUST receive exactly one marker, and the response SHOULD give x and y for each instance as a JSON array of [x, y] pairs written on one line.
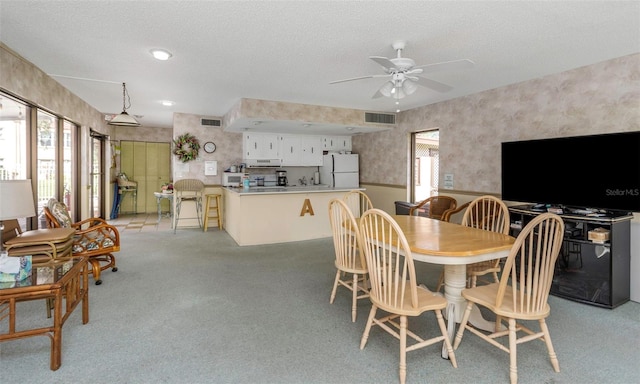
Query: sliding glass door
[[46, 159], [97, 207]]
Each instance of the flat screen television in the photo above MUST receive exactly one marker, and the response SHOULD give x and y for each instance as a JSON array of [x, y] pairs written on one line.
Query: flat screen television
[[596, 171]]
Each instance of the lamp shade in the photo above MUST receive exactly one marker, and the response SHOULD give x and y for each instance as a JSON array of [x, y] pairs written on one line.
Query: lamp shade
[[16, 199], [124, 119]]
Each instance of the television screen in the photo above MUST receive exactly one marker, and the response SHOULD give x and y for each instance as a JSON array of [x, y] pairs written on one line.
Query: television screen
[[597, 171]]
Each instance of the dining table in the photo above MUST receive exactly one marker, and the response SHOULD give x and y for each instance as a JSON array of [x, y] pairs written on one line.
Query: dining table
[[454, 246]]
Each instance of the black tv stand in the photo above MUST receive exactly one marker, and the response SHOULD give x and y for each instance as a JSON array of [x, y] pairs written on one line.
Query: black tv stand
[[588, 270]]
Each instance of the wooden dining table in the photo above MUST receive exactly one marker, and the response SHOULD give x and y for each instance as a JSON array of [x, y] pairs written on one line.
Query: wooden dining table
[[454, 246]]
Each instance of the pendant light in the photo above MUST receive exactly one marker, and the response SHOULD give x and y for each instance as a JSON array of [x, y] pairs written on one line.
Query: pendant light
[[124, 119]]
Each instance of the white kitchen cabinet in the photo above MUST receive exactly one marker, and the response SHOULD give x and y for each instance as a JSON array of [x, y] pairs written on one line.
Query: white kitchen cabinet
[[336, 143], [312, 151], [301, 150], [260, 146], [291, 150]]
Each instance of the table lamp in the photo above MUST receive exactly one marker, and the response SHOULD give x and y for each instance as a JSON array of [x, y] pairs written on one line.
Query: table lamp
[[16, 201]]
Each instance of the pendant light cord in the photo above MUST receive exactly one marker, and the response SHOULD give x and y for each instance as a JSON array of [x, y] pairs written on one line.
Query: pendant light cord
[[125, 98]]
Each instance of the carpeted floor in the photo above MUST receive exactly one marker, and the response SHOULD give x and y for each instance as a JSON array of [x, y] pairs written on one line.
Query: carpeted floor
[[193, 307]]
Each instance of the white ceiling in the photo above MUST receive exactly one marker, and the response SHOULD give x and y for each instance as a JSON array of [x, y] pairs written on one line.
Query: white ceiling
[[289, 51]]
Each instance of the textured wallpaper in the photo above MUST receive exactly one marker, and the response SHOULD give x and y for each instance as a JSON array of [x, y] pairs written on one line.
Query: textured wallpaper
[[601, 98], [228, 148]]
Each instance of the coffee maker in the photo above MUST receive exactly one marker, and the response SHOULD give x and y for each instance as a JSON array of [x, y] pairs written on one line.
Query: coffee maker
[[281, 178]]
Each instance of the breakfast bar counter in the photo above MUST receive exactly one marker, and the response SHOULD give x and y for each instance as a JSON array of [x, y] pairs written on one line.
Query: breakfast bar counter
[[266, 215]]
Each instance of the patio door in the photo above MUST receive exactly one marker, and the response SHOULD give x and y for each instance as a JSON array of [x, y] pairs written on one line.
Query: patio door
[[425, 164], [97, 206]]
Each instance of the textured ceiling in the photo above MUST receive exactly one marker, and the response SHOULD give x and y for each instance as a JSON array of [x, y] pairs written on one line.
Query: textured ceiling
[[289, 51]]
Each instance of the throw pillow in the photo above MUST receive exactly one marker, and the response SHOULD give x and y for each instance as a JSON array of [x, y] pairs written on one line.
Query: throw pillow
[[59, 211]]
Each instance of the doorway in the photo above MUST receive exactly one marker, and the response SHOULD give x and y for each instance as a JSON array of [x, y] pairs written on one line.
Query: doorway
[[96, 200], [426, 163]]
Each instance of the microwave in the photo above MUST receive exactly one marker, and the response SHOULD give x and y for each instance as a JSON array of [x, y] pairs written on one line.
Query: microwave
[[230, 179]]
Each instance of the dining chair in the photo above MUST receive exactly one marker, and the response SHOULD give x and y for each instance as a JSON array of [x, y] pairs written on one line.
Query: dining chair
[[491, 214], [188, 190], [522, 292], [351, 270], [394, 289], [436, 206], [488, 213], [93, 237], [446, 216], [358, 202]]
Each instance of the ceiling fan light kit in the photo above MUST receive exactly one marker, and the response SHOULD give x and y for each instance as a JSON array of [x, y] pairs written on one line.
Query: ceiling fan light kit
[[124, 119], [403, 72]]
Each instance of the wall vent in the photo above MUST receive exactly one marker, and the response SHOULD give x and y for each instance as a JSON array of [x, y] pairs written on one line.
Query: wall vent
[[211, 122], [379, 118]]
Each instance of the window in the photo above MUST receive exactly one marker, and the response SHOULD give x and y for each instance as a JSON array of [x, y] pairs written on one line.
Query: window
[[52, 139]]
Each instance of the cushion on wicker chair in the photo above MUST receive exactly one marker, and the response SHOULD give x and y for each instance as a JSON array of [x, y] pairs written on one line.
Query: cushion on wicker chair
[[60, 212]]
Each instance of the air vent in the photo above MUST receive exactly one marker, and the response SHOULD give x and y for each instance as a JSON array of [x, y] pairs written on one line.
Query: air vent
[[379, 118], [210, 122]]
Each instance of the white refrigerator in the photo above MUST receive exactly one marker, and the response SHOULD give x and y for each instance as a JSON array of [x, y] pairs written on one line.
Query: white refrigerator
[[340, 171]]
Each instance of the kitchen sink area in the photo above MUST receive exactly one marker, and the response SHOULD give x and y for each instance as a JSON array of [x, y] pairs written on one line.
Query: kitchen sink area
[[277, 189]]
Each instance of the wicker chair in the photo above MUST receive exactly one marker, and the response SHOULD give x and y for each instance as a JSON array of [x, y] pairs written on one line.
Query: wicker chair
[[186, 190], [93, 237], [434, 207], [522, 292]]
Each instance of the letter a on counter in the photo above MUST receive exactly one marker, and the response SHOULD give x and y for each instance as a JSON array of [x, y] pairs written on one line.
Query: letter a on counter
[[306, 208]]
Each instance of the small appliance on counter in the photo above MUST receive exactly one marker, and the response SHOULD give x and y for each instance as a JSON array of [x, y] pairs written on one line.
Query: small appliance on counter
[[232, 179], [281, 178]]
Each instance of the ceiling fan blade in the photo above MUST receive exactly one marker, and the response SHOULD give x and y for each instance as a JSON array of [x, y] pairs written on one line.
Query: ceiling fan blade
[[455, 64], [435, 85], [386, 63], [377, 95], [358, 78]]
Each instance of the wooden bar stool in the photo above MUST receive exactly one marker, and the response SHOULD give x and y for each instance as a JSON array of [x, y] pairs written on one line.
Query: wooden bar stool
[[215, 209]]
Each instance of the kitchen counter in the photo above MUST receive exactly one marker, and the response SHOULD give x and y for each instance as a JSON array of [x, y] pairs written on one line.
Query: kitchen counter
[[267, 215], [291, 189]]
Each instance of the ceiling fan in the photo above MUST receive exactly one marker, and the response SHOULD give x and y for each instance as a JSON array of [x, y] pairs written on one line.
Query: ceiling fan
[[402, 73]]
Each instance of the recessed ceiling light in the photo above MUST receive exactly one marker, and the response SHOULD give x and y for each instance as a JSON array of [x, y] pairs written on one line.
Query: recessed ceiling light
[[161, 54], [167, 103]]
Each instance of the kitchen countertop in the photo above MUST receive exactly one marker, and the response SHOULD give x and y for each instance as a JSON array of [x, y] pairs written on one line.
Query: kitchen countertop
[[292, 189]]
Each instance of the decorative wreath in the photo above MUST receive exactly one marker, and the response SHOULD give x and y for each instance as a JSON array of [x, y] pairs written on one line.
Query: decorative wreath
[[187, 147]]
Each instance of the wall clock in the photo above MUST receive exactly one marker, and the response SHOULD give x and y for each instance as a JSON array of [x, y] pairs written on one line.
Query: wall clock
[[209, 147]]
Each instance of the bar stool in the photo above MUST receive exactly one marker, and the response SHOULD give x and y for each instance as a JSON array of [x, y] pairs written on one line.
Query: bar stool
[[188, 190], [215, 209]]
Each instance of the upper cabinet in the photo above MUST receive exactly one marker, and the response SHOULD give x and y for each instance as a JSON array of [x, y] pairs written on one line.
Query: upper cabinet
[[260, 146], [294, 150], [312, 150], [291, 150], [336, 143], [301, 150]]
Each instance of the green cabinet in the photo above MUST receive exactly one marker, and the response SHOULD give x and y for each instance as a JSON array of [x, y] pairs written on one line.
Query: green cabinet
[[148, 164]]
